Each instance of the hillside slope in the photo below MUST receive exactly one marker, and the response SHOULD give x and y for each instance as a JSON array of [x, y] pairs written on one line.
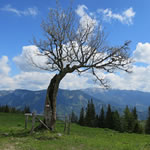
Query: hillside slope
[[13, 136]]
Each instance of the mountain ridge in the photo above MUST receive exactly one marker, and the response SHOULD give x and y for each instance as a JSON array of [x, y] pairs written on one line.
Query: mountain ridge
[[68, 100]]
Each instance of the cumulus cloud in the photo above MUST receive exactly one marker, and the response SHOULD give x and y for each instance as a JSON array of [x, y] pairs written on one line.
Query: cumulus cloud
[[6, 82], [33, 11], [85, 18], [138, 80], [74, 81], [30, 58], [4, 69], [126, 17], [32, 80], [142, 53], [25, 80]]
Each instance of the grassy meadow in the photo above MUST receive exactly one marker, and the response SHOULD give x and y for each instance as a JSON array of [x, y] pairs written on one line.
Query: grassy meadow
[[13, 136]]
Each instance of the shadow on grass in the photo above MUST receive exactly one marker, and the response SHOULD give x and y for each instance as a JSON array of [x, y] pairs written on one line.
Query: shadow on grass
[[20, 133], [45, 138], [42, 135]]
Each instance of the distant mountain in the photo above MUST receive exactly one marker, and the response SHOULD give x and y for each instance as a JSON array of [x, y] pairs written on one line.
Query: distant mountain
[[68, 100], [21, 98], [121, 98]]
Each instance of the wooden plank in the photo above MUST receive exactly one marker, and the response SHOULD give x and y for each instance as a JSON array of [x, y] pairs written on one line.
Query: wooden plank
[[28, 114], [43, 123]]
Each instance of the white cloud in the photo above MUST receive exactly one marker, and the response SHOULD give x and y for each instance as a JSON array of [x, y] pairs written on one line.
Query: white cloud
[[142, 53], [24, 80], [4, 69], [85, 18], [126, 17], [74, 81], [31, 59], [5, 81], [27, 12], [29, 56], [37, 80], [32, 80], [138, 80]]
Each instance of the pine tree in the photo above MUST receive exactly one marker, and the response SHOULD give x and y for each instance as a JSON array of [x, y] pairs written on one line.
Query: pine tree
[[137, 127], [6, 109], [26, 109], [109, 118], [1, 108], [13, 110], [81, 118], [74, 118], [90, 116], [97, 121], [128, 122], [116, 121], [147, 125], [125, 119], [101, 118], [134, 112]]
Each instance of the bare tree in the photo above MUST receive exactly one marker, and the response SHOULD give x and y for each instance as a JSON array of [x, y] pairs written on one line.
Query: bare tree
[[69, 46]]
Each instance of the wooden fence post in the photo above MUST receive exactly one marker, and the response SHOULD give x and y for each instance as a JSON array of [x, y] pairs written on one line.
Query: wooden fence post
[[65, 126], [69, 124], [26, 121], [33, 122]]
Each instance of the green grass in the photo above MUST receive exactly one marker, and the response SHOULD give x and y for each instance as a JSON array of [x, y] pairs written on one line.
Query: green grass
[[13, 136]]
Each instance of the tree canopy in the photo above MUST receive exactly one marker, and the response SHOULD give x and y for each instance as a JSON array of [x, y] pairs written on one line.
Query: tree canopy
[[69, 45], [73, 45]]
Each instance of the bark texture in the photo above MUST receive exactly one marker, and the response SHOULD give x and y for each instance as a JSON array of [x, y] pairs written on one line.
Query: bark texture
[[50, 102]]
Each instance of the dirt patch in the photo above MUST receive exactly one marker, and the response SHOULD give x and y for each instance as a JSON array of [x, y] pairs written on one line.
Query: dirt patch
[[8, 147]]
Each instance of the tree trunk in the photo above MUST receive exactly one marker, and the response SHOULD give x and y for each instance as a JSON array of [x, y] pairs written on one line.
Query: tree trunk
[[50, 102]]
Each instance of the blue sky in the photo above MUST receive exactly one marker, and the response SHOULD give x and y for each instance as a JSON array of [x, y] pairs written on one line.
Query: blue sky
[[122, 20]]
